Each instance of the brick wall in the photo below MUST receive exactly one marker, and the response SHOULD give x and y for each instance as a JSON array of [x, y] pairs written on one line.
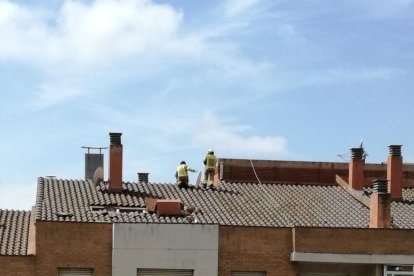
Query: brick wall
[[268, 249], [255, 249], [321, 173], [17, 265], [355, 241], [350, 241], [340, 269], [73, 245]]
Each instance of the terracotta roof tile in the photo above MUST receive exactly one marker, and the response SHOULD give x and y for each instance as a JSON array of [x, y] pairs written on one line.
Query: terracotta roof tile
[[14, 232], [271, 205]]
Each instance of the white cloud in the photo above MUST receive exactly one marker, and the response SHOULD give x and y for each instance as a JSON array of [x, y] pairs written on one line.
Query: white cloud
[[91, 34], [113, 38], [157, 143], [236, 7], [165, 132], [21, 32], [51, 94], [231, 140]]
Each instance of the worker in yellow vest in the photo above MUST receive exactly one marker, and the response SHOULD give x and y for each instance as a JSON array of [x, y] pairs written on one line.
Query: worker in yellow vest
[[181, 174], [210, 168]]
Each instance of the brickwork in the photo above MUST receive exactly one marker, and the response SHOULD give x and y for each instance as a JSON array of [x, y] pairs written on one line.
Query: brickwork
[[380, 210], [356, 174], [17, 265], [268, 249], [354, 241], [350, 241], [89, 245], [73, 245], [115, 168], [275, 173], [340, 269], [394, 175], [255, 249], [321, 173]]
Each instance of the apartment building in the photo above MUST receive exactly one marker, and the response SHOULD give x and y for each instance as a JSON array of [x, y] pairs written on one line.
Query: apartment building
[[264, 218]]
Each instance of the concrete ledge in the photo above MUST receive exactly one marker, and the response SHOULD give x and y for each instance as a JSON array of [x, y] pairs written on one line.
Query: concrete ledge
[[351, 258]]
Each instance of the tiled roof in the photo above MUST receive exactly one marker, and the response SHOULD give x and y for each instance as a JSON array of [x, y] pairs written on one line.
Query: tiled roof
[[272, 205], [14, 232], [402, 212]]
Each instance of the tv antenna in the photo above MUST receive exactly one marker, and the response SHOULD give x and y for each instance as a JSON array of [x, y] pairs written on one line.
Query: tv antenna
[[346, 156]]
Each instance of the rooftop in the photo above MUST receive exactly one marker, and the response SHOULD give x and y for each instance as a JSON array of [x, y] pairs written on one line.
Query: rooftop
[[14, 232], [289, 194], [242, 204]]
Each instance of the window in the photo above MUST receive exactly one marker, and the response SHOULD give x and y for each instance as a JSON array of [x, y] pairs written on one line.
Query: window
[[75, 272], [247, 273], [164, 272], [399, 270]]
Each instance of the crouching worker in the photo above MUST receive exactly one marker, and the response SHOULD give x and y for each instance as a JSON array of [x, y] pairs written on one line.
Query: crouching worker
[[181, 174]]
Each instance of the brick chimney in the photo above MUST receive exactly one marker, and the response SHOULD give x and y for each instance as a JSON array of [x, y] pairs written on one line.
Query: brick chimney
[[115, 163], [380, 205], [356, 168], [394, 171]]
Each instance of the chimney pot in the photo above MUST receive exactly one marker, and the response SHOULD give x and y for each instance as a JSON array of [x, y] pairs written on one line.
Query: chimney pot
[[143, 177], [357, 153], [395, 150], [380, 186], [115, 138]]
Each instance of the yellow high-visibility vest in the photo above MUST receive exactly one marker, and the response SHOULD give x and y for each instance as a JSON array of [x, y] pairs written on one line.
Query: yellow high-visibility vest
[[182, 170], [211, 162]]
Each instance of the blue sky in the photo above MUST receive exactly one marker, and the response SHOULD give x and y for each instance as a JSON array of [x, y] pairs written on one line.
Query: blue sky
[[257, 79]]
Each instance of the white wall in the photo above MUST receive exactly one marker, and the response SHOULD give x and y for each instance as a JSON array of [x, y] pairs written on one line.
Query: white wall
[[169, 246]]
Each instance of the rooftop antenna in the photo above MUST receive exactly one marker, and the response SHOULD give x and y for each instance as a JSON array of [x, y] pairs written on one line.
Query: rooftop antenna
[[198, 180], [97, 176], [361, 145], [346, 156]]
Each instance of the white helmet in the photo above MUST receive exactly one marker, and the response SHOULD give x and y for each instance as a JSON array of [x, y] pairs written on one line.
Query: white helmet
[[210, 151]]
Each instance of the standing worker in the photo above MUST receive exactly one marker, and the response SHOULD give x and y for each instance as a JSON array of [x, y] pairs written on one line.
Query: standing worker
[[210, 168], [181, 174]]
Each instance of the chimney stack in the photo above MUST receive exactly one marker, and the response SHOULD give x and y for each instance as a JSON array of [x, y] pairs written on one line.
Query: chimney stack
[[380, 205], [115, 163], [143, 177], [93, 161], [356, 168], [394, 171]]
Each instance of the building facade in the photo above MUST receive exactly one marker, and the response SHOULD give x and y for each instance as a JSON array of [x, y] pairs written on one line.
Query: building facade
[[304, 218]]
